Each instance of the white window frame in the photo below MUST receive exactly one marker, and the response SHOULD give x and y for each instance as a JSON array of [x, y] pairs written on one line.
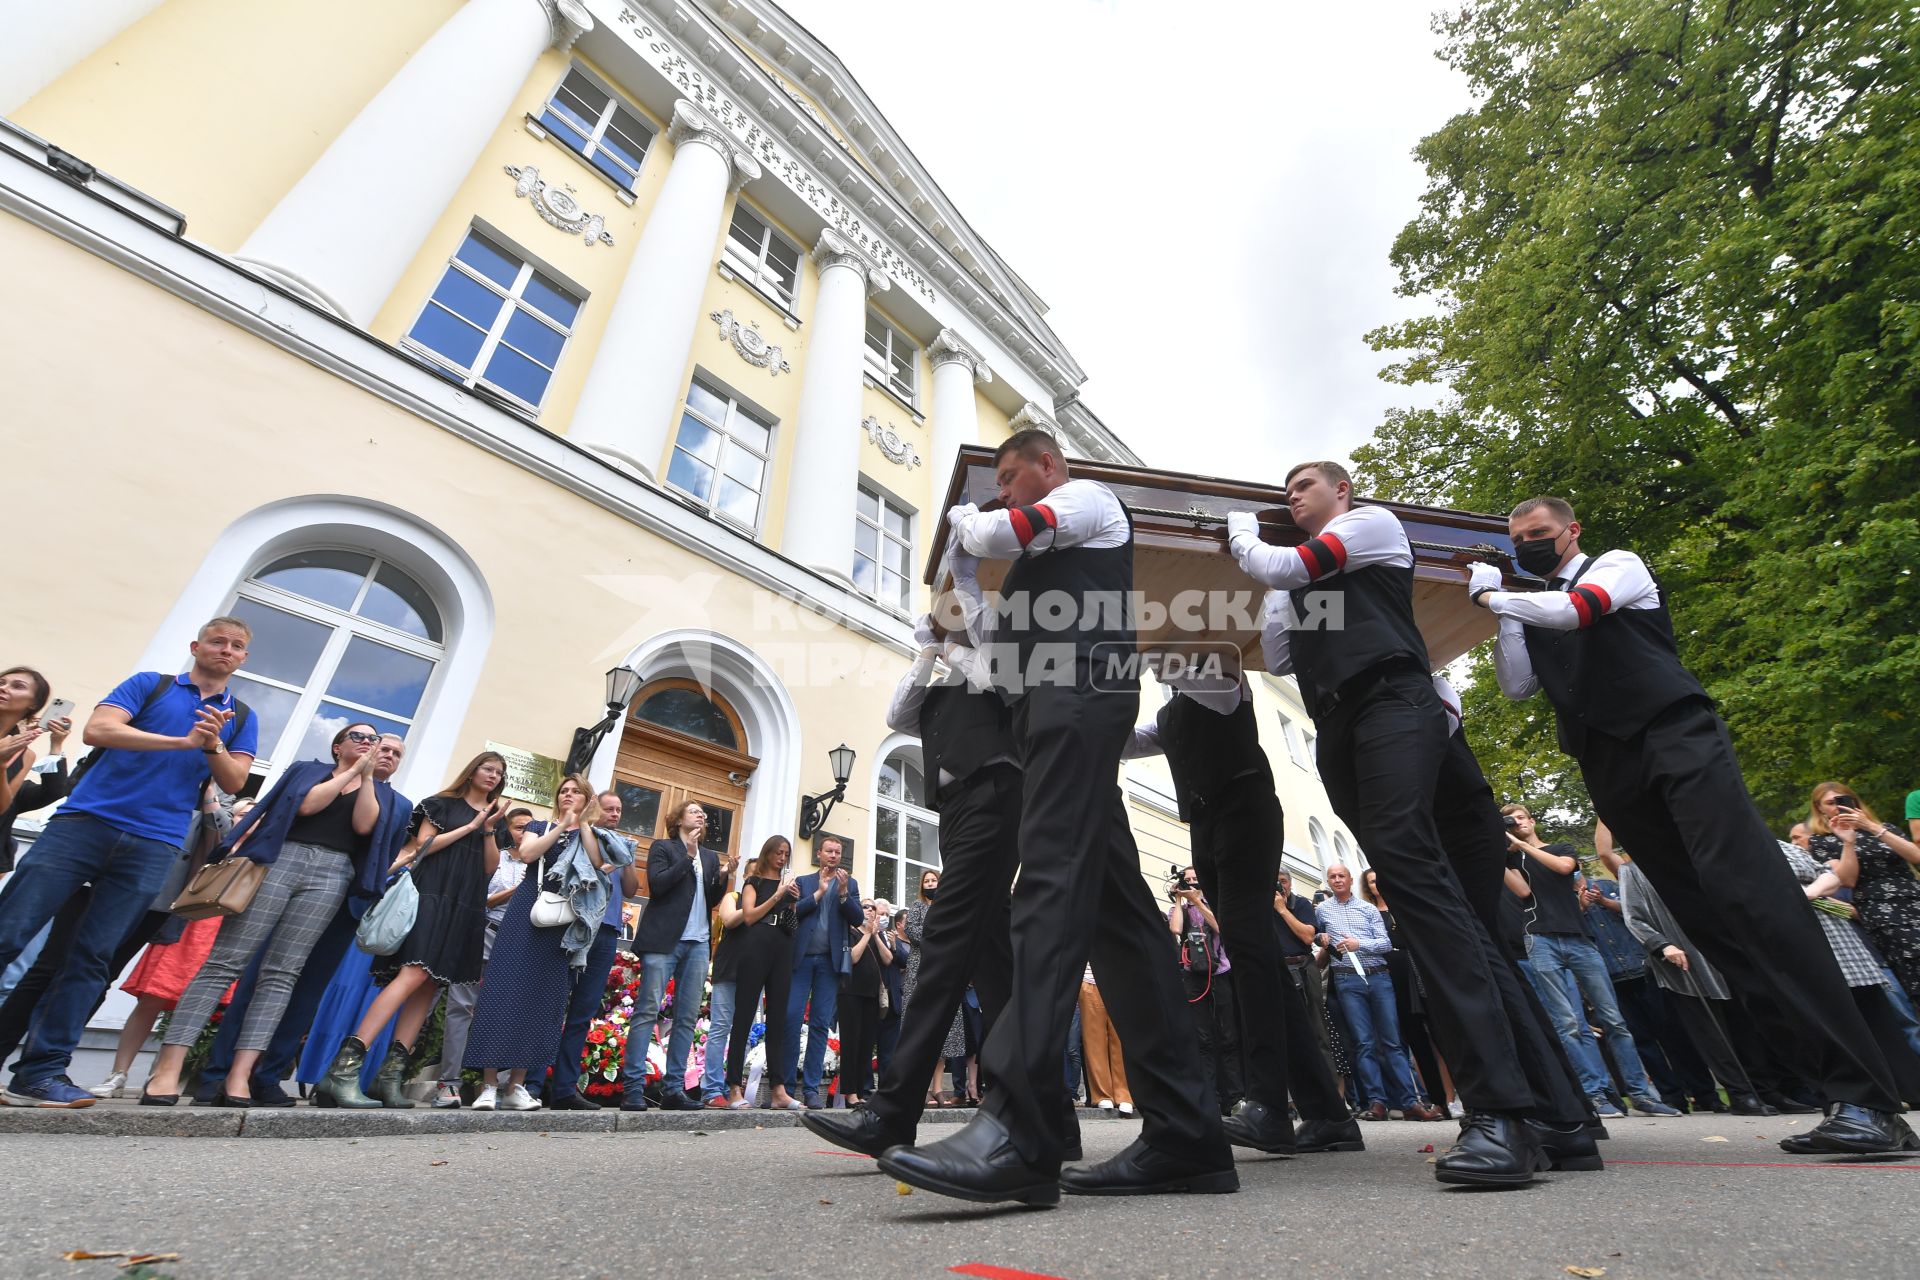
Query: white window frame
[[1291, 733], [907, 887], [511, 301], [879, 364], [615, 101], [1322, 846], [736, 406], [883, 537], [346, 624], [1341, 850], [753, 270]]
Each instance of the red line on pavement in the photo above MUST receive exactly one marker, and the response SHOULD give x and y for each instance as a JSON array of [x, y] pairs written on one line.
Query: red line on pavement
[[851, 1155], [1748, 1164], [987, 1271]]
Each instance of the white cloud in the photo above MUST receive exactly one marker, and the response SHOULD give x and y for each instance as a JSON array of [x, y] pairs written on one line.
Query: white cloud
[[1205, 195]]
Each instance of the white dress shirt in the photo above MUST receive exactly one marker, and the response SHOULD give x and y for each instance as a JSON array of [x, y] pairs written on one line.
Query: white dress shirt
[[1616, 580]]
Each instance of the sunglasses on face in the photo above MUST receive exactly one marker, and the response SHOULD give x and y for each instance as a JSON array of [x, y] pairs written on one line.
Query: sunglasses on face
[[354, 735]]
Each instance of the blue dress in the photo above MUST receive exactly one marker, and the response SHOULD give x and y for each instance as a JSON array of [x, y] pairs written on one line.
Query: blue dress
[[346, 1001], [524, 995]]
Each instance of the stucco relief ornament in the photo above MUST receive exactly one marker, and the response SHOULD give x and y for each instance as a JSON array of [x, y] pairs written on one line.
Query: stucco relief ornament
[[748, 342], [888, 441], [557, 206]]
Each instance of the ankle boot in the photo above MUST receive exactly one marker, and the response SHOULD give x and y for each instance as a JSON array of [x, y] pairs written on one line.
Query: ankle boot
[[340, 1087], [389, 1085]]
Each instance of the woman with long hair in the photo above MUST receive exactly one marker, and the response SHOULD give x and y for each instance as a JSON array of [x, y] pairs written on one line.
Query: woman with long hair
[[1878, 864], [23, 696], [764, 964], [451, 857], [312, 831], [1410, 995]]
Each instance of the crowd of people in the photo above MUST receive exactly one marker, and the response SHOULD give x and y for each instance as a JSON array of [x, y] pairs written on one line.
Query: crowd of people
[[1514, 983]]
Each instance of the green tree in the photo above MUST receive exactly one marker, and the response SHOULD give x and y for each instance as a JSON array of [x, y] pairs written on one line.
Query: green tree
[[1672, 257]]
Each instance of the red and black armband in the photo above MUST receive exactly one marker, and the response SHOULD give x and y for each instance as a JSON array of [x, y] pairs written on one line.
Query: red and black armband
[[1323, 555], [1030, 522], [1590, 603]]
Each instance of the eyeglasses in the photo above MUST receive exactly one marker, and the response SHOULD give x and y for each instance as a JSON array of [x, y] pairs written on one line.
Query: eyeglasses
[[354, 735]]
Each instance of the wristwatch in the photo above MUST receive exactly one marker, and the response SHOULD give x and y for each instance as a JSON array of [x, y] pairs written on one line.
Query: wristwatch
[[219, 748]]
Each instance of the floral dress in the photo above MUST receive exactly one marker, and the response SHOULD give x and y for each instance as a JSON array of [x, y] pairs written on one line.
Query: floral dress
[[956, 1042], [1888, 898]]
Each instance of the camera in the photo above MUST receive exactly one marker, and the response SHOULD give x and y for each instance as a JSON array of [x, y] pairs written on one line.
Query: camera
[[1508, 821]]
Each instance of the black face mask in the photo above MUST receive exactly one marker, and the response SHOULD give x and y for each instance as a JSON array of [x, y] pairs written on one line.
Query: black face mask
[[1538, 556], [928, 893]]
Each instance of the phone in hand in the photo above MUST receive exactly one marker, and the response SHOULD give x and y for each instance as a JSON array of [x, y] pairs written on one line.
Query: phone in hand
[[58, 709]]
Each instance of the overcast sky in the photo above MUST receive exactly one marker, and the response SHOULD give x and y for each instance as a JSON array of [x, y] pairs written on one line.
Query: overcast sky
[[1204, 195]]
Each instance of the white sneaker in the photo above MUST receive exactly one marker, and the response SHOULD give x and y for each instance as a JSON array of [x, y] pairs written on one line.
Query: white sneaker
[[1106, 1106], [114, 1086], [1126, 1108], [446, 1097], [488, 1097], [518, 1099]]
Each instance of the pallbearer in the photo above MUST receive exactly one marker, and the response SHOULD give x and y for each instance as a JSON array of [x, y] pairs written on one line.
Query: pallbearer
[[1080, 894], [1350, 638], [1661, 770]]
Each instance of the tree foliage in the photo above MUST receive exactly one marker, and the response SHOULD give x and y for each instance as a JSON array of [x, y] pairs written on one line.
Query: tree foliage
[[1672, 257]]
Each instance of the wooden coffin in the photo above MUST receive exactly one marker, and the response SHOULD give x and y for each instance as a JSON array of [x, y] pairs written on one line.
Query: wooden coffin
[[1180, 539]]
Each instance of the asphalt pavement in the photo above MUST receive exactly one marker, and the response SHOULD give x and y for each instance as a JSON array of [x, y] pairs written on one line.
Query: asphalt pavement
[[1699, 1196]]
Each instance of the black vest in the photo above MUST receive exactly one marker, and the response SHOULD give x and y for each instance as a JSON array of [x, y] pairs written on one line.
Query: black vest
[[1365, 620], [1614, 676], [1207, 752], [1065, 603], [960, 730]]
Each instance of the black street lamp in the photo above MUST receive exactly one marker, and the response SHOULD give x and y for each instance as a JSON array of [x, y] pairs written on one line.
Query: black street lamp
[[622, 684], [814, 809]]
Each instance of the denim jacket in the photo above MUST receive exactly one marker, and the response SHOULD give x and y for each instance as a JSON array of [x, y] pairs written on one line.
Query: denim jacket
[[1626, 958], [571, 873]]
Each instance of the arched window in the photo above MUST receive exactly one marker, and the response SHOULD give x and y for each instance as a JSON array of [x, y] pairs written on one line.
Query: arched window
[[906, 831], [685, 708], [1318, 835], [1342, 851], [338, 635]]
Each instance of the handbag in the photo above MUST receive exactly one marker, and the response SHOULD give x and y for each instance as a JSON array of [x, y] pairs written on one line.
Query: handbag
[[550, 909], [223, 888], [389, 921]]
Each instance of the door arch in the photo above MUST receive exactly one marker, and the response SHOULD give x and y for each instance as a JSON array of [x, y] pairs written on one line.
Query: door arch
[[683, 742]]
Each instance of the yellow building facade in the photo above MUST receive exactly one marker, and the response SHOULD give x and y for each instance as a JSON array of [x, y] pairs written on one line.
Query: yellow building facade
[[496, 344]]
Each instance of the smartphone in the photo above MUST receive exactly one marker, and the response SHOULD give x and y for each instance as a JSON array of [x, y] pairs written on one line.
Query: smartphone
[[58, 709], [1845, 802]]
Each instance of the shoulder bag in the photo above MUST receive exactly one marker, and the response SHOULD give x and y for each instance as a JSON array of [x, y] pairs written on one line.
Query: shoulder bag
[[550, 909], [224, 888]]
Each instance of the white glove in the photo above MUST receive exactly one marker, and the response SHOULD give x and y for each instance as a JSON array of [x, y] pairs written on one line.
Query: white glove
[[957, 516], [1242, 522], [923, 631], [1481, 574], [964, 564]]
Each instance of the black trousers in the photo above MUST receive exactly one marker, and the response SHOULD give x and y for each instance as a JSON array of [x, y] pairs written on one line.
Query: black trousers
[[1673, 794], [277, 1061], [1468, 820], [1666, 1050], [1703, 1021], [1244, 1020], [964, 938], [859, 1036], [1890, 1033], [1080, 898], [16, 1012], [1310, 1074], [765, 968], [1381, 753]]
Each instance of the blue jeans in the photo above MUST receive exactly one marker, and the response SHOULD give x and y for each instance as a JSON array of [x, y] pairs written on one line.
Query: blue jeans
[[1564, 969], [713, 1078], [1903, 1006], [126, 871], [686, 965], [1367, 1007], [589, 993], [816, 991]]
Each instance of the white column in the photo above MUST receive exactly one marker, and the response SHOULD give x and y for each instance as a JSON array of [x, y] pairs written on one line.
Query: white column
[[824, 480], [44, 39], [351, 225], [956, 418], [632, 392]]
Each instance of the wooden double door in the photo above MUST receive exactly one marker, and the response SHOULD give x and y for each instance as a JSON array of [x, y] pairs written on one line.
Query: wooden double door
[[660, 769]]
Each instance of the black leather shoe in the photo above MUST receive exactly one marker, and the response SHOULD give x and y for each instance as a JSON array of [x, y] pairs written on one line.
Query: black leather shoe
[[635, 1101], [1711, 1102], [1568, 1147], [268, 1093], [158, 1099], [856, 1129], [1854, 1130], [1140, 1170], [1787, 1106], [677, 1100], [572, 1101], [1255, 1124], [229, 1100], [1598, 1128], [1800, 1144], [1316, 1136], [979, 1163], [1493, 1151], [1747, 1104]]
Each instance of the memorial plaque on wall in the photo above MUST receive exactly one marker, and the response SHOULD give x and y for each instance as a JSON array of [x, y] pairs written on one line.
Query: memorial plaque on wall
[[531, 777]]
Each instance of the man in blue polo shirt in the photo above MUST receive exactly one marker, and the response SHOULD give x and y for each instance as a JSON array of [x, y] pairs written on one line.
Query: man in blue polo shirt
[[120, 830]]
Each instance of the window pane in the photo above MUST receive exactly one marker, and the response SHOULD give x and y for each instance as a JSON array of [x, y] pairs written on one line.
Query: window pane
[[888, 783], [285, 646], [916, 782], [640, 809], [737, 502], [467, 298], [923, 842], [551, 299], [865, 575], [629, 132], [868, 505], [442, 331], [886, 830], [401, 603], [271, 707], [690, 712], [893, 589], [692, 476], [587, 97], [489, 260], [886, 880], [719, 833], [750, 431], [511, 371], [744, 467], [566, 126], [707, 402], [533, 338], [747, 230], [897, 521], [317, 742], [331, 577], [876, 334], [375, 675], [896, 557], [607, 159], [866, 540]]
